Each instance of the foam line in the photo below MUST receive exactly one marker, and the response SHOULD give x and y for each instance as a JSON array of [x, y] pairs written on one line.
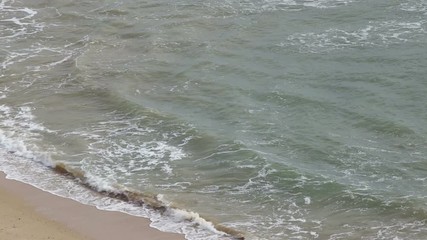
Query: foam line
[[140, 199]]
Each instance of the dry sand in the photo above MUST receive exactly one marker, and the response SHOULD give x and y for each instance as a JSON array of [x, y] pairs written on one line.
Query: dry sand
[[27, 213]]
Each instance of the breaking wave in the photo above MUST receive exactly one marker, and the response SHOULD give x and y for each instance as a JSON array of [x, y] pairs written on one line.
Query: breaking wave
[[19, 149]]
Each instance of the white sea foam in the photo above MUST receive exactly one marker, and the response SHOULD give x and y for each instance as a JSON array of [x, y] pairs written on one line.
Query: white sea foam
[[20, 132], [374, 34], [233, 7], [324, 3], [21, 157], [19, 154], [124, 139], [417, 6], [29, 56], [20, 22], [21, 19]]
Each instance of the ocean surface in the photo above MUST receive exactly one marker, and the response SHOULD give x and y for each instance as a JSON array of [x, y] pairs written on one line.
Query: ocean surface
[[268, 119]]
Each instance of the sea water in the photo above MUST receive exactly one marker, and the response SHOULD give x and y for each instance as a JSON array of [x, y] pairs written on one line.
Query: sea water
[[268, 119]]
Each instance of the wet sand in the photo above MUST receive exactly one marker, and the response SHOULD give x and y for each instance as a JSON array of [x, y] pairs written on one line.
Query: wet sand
[[29, 213]]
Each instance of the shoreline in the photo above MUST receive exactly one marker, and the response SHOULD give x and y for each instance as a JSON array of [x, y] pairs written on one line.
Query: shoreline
[[27, 212]]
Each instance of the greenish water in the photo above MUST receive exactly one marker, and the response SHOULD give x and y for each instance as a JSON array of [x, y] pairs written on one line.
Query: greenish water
[[281, 119]]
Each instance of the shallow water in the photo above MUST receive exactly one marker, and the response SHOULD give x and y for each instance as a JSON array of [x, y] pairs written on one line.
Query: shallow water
[[280, 119]]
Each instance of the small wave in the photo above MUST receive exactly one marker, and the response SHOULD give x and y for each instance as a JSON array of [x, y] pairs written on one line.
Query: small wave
[[416, 6], [374, 34], [140, 199], [17, 21], [325, 3], [18, 140], [164, 215], [33, 58], [248, 7], [19, 130]]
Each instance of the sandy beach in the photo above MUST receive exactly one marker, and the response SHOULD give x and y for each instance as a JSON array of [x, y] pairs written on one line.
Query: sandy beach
[[29, 213]]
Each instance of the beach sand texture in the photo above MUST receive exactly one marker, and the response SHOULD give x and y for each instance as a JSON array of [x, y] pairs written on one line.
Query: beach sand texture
[[30, 213]]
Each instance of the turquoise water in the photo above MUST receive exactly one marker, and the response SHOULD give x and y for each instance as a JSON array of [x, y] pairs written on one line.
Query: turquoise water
[[279, 119]]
